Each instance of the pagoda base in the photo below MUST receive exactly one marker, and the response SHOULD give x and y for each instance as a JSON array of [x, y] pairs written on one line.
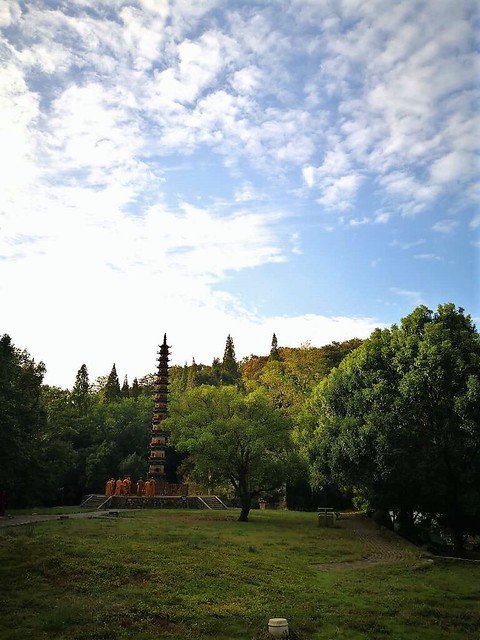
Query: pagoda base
[[102, 502], [153, 502]]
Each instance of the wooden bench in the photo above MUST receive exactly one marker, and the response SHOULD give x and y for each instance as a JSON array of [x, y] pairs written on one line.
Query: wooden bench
[[326, 516]]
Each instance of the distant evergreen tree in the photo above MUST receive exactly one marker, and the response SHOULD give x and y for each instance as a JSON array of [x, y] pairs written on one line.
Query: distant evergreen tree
[[125, 388], [216, 371], [135, 389], [184, 380], [230, 368], [81, 388], [192, 375], [112, 391], [274, 355]]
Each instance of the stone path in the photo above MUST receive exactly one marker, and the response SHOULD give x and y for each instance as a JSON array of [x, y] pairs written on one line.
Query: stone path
[[381, 546], [16, 521]]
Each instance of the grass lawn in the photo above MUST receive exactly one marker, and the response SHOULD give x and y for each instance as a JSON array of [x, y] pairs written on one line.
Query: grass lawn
[[196, 574]]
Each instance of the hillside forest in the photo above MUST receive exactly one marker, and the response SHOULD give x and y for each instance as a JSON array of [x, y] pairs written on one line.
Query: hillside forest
[[389, 424]]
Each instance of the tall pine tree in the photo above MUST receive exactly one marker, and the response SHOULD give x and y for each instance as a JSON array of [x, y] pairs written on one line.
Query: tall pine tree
[[81, 388], [112, 391], [274, 355], [230, 368], [125, 388], [135, 389]]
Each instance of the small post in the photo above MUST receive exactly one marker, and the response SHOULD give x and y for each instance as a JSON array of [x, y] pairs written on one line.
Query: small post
[[278, 628]]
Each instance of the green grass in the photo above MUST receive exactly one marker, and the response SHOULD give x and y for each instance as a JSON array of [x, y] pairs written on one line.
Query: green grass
[[199, 575]]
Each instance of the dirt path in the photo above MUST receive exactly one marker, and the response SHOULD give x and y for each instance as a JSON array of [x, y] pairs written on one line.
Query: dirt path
[[17, 521], [381, 546]]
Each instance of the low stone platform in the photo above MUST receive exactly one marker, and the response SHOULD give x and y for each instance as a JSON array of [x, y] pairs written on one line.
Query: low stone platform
[[155, 502]]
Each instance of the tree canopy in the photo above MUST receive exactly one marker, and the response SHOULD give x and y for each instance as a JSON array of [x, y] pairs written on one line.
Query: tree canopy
[[22, 420], [399, 420], [236, 437]]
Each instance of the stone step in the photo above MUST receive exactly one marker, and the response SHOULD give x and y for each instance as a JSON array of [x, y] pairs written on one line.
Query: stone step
[[214, 502], [94, 501]]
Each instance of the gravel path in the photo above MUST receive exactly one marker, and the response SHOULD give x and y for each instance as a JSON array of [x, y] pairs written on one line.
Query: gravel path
[[381, 546]]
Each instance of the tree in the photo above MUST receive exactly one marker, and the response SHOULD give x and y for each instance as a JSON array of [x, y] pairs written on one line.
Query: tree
[[399, 420], [123, 430], [112, 391], [216, 372], [81, 388], [147, 384], [22, 424], [192, 375], [274, 355], [230, 368], [232, 437], [125, 388], [135, 389]]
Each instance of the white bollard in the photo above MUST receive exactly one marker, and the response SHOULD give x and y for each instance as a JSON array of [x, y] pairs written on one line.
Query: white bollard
[[278, 628]]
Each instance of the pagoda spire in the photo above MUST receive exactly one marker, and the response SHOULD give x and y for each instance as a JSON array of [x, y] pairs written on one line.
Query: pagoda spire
[[159, 440]]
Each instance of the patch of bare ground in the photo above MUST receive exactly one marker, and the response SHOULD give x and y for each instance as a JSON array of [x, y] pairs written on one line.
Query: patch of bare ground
[[381, 546]]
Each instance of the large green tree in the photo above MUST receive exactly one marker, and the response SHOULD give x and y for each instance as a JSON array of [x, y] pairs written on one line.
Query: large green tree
[[233, 437], [22, 424], [399, 419]]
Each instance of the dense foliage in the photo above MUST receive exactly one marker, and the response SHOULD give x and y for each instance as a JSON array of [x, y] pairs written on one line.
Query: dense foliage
[[232, 437], [399, 421]]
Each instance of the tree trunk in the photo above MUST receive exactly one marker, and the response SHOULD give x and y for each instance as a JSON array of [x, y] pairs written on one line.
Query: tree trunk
[[243, 517], [245, 500]]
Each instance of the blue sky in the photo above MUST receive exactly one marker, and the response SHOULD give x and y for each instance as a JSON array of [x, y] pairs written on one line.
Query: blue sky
[[209, 167]]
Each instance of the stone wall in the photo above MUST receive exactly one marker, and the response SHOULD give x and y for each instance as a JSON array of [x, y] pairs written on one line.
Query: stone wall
[[157, 502]]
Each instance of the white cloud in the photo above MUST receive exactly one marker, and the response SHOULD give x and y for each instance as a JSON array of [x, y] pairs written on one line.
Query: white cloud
[[339, 193], [19, 108], [382, 217], [426, 256], [358, 222], [445, 226], [9, 12], [475, 221], [411, 100], [414, 298], [308, 174], [247, 193], [115, 271], [296, 244], [248, 80], [407, 187], [454, 166], [407, 245]]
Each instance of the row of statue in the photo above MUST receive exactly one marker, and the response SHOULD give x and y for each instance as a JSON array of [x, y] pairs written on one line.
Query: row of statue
[[124, 487]]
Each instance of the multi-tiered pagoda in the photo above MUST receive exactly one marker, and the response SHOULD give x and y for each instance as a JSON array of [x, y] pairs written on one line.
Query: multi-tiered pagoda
[[158, 444]]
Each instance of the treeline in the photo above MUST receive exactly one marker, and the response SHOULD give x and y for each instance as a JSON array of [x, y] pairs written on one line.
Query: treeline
[[391, 423], [58, 444]]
